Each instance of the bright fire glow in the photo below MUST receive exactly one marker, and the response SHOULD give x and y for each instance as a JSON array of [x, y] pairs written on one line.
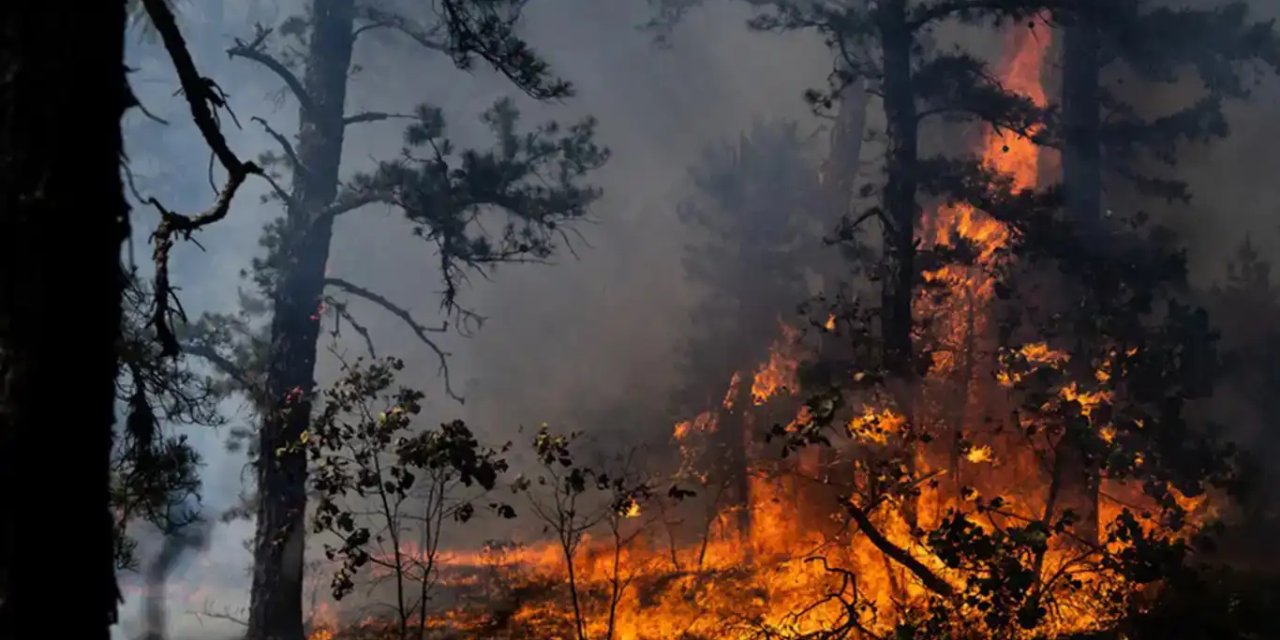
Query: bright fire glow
[[753, 570]]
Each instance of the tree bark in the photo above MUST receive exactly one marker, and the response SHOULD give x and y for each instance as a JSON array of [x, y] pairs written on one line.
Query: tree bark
[[901, 212], [1082, 185], [63, 221], [276, 598], [900, 189]]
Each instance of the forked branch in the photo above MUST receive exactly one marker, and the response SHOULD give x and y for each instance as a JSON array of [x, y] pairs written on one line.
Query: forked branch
[[255, 50], [419, 330], [203, 97]]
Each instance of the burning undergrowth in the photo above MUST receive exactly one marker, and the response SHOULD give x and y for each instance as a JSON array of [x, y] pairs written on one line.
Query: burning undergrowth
[[1036, 479]]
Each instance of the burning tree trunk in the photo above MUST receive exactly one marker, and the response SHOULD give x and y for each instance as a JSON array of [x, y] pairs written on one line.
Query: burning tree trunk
[[63, 220], [730, 447], [276, 609]]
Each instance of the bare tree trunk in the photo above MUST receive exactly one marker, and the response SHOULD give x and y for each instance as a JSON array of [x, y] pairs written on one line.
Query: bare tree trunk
[[63, 221], [276, 599]]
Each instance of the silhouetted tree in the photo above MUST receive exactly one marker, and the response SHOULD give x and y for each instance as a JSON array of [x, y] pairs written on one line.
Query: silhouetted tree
[[63, 222]]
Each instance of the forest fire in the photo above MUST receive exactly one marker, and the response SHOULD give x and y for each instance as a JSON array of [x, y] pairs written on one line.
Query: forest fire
[[793, 547]]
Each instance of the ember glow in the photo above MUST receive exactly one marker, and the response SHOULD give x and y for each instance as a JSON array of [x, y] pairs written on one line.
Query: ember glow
[[790, 557]]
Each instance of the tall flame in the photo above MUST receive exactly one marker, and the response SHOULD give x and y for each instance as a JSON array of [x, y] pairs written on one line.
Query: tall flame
[[744, 574]]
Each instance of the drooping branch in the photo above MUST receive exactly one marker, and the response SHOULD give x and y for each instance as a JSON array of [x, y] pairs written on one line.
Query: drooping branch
[[255, 50], [203, 96], [284, 143], [419, 330], [221, 363], [886, 546], [377, 19], [927, 14]]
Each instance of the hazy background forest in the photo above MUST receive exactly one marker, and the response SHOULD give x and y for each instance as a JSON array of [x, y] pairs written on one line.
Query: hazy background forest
[[593, 341]]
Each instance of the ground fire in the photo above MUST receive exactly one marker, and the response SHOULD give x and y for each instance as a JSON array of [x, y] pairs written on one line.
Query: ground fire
[[805, 545]]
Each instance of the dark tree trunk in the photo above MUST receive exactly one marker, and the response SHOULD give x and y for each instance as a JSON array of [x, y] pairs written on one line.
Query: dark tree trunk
[[63, 221], [898, 283], [730, 446], [1082, 184], [900, 189], [276, 599], [1081, 156]]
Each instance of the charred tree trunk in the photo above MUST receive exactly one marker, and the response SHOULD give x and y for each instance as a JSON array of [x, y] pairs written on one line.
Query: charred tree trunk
[[63, 221], [731, 444], [900, 190], [276, 599], [1082, 184], [898, 283]]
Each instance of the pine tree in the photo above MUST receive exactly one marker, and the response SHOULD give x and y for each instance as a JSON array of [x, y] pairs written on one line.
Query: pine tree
[[531, 178]]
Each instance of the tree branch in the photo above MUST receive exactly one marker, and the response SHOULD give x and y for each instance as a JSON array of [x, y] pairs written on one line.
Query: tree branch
[[255, 51], [348, 202], [385, 20], [418, 329], [203, 96], [376, 116], [1017, 9], [284, 144], [927, 577]]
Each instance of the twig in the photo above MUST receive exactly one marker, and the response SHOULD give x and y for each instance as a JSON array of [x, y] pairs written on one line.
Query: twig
[[284, 144], [254, 51], [418, 329]]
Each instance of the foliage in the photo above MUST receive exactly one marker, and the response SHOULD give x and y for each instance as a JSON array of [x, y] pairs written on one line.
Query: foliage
[[154, 474], [364, 450]]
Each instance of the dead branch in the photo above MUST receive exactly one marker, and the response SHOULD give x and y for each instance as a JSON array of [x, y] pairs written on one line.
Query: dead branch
[[927, 577], [419, 330], [203, 96], [341, 312], [294, 162], [255, 50]]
